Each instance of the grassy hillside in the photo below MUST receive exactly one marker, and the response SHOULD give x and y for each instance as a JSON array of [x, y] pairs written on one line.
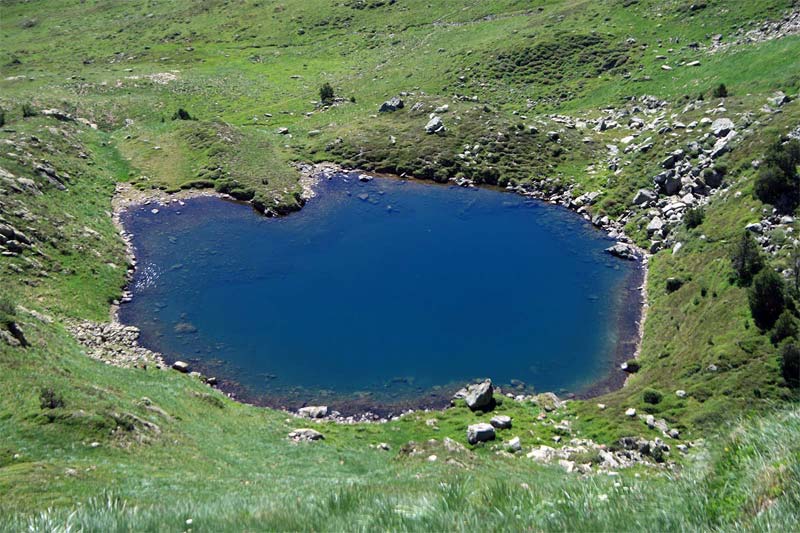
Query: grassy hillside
[[528, 83]]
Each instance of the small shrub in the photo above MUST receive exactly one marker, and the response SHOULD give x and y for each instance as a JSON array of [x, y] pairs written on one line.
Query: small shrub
[[720, 91], [694, 217], [28, 111], [766, 298], [2, 117], [652, 396], [673, 284], [50, 399], [790, 364], [7, 312], [746, 259], [326, 93], [785, 327], [778, 182], [182, 114]]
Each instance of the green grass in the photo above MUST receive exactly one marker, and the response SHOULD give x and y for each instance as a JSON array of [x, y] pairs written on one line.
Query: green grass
[[129, 66]]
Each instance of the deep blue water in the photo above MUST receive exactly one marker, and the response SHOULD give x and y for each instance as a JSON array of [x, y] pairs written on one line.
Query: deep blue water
[[382, 291]]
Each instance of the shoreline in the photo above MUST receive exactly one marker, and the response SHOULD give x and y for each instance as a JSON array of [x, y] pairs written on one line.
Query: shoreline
[[630, 328]]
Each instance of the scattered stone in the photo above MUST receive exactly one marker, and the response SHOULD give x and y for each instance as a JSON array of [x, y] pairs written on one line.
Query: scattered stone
[[680, 393], [435, 125], [305, 435], [548, 401], [630, 412], [514, 445], [501, 422], [481, 432], [391, 105]]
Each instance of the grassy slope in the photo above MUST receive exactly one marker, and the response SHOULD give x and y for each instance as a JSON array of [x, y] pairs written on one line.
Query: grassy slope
[[242, 65]]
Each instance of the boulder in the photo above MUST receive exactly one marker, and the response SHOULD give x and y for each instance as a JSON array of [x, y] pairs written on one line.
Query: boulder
[[313, 411], [481, 432], [181, 366], [623, 251], [514, 445], [644, 196], [305, 435], [722, 126], [480, 396], [778, 99], [654, 226], [631, 412], [548, 401], [501, 422], [392, 104], [435, 125]]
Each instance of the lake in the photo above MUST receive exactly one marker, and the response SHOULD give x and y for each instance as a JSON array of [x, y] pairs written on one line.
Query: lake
[[382, 295]]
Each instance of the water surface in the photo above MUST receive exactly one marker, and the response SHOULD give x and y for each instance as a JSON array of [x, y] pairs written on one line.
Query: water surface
[[389, 292]]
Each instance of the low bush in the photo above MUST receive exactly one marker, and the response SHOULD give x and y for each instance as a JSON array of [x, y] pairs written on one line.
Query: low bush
[[790, 364], [785, 327], [747, 260], [766, 298], [652, 396], [720, 91], [778, 181], [694, 217], [50, 399]]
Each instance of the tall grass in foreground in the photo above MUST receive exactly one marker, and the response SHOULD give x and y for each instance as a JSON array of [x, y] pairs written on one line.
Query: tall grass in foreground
[[749, 480]]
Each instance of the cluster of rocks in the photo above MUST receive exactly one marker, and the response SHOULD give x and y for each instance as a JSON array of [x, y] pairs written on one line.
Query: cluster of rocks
[[114, 344], [585, 456], [767, 31], [12, 241]]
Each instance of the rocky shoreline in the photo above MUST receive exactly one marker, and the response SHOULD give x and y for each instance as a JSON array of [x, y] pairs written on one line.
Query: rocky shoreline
[[115, 343]]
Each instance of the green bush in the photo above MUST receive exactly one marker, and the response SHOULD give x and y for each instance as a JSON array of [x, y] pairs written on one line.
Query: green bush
[[652, 396], [766, 298], [720, 91], [778, 182], [694, 217], [28, 111], [326, 93], [7, 312], [182, 114], [2, 117], [790, 364], [50, 399], [746, 259], [785, 327]]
